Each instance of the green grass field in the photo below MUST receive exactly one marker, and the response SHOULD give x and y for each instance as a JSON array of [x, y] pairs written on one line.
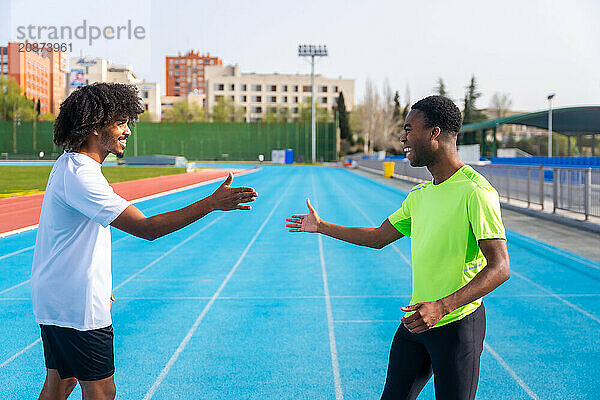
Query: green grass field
[[19, 181]]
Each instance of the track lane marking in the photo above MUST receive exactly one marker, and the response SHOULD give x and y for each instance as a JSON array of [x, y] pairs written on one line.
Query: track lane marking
[[207, 307]]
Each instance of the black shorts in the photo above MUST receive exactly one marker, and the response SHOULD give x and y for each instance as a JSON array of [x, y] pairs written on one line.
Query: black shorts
[[451, 353], [85, 355]]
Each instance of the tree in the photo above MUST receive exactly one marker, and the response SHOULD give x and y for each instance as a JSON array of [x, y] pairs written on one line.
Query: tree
[[500, 104], [322, 115], [345, 132], [145, 117], [184, 112], [440, 89], [397, 107], [369, 114], [14, 105], [387, 123], [407, 105], [470, 112], [226, 111]]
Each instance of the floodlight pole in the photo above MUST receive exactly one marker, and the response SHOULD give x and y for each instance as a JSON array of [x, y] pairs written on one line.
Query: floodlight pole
[[550, 96], [313, 123], [313, 51]]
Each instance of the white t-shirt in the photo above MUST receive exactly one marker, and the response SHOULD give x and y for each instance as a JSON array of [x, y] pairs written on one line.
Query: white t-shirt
[[71, 279]]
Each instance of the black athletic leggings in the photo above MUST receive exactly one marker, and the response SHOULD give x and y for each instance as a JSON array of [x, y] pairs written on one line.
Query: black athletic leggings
[[451, 353]]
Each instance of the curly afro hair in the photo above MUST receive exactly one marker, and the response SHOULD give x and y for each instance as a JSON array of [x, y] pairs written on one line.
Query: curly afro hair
[[440, 111], [92, 108]]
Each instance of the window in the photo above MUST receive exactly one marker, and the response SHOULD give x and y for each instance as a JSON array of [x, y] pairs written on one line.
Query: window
[[306, 88], [257, 110], [284, 88], [257, 99], [232, 98], [243, 99], [243, 87], [144, 94], [231, 86], [217, 98], [295, 110], [219, 86], [272, 99], [295, 99], [272, 88], [177, 67], [335, 89], [295, 88], [284, 99], [273, 110], [323, 89], [323, 100], [256, 88]]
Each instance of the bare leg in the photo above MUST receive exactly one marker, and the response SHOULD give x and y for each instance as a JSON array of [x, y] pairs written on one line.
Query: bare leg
[[99, 390], [56, 388]]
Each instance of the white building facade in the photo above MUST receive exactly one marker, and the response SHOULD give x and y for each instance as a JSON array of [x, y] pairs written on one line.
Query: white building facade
[[85, 71], [260, 94]]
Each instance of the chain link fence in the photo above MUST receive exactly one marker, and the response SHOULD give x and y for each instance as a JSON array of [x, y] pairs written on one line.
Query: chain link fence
[[228, 141]]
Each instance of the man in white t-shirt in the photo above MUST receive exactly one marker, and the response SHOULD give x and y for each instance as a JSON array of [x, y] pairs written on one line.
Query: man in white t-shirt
[[71, 282]]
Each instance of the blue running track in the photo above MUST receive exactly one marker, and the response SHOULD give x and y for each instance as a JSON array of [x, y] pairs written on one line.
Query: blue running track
[[235, 307]]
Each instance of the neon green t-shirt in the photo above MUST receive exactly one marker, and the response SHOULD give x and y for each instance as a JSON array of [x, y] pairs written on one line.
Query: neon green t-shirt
[[444, 223]]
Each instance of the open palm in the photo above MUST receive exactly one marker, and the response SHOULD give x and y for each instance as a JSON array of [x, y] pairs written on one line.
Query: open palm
[[304, 222]]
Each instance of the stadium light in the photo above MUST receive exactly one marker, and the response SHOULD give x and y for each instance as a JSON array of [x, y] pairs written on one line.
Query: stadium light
[[550, 97], [312, 51]]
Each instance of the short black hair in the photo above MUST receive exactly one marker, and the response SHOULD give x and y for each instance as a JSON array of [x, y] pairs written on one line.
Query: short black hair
[[440, 111], [93, 107]]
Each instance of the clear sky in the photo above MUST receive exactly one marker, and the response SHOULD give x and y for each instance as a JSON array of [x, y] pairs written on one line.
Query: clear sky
[[525, 48]]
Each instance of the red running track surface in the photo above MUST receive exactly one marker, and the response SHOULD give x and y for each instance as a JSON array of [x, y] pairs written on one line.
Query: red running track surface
[[22, 211]]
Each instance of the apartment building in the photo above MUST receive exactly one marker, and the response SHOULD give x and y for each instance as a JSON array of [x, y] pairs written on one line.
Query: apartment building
[[41, 75], [186, 73], [260, 94], [89, 70]]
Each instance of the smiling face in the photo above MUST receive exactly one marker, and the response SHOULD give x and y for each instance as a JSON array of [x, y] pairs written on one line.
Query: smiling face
[[419, 141], [113, 138]]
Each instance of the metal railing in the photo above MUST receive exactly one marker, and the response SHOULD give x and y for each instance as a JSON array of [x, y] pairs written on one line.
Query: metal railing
[[572, 189]]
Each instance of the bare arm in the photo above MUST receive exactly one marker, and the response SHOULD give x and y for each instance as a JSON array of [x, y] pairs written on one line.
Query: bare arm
[[496, 272], [225, 198], [370, 237]]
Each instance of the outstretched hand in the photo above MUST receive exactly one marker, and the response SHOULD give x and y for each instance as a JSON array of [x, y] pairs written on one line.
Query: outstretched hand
[[304, 222], [227, 198]]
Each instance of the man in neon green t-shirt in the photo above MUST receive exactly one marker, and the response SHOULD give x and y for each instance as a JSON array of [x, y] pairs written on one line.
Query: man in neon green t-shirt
[[459, 255]]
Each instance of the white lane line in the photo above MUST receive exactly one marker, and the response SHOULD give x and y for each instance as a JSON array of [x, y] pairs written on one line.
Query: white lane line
[[332, 345], [163, 255], [192, 330], [396, 249], [573, 306], [512, 373], [367, 321], [17, 354], [14, 253], [241, 298], [14, 287], [335, 366], [16, 231], [122, 283], [154, 196], [560, 252]]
